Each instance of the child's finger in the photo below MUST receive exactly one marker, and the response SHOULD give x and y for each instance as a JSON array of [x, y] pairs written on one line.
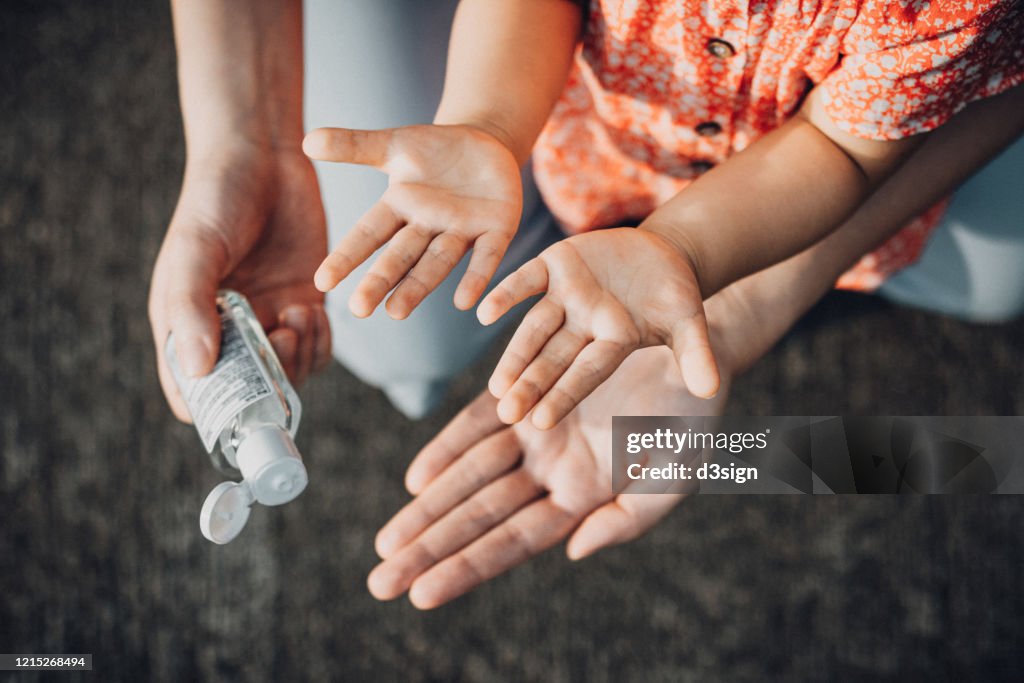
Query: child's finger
[[538, 378], [488, 251], [396, 260], [366, 147], [543, 320], [531, 278], [373, 229], [693, 352], [592, 366], [440, 257]]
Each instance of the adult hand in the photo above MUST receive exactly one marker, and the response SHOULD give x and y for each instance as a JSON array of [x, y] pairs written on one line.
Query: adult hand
[[249, 219], [489, 497]]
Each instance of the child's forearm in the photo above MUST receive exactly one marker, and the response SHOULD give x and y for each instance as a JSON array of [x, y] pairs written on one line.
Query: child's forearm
[[507, 65], [239, 72], [785, 192], [750, 316]]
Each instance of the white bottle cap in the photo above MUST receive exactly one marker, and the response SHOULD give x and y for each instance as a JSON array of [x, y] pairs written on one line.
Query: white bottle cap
[[225, 511], [271, 466], [274, 475]]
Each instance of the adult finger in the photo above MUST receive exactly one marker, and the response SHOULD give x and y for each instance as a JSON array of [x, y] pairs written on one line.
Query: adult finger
[[525, 534], [183, 303], [470, 520], [619, 521], [473, 423], [692, 347], [285, 342], [322, 346], [299, 318], [482, 463]]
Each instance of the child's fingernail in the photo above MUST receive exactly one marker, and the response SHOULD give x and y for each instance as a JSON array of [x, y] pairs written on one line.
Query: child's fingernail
[[358, 308], [322, 280], [496, 387], [506, 412]]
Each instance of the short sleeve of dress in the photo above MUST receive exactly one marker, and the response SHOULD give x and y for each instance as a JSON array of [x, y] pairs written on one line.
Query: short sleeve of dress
[[909, 66]]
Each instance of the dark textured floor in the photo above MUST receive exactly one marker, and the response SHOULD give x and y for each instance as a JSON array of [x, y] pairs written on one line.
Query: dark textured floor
[[100, 488]]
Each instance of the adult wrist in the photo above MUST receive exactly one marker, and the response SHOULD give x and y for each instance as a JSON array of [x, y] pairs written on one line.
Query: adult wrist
[[231, 141]]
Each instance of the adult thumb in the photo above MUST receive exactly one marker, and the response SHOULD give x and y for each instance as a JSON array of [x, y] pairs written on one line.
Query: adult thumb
[[691, 345], [184, 298]]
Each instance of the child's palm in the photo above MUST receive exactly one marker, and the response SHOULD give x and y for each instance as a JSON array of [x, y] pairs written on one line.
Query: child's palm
[[451, 189], [609, 293]]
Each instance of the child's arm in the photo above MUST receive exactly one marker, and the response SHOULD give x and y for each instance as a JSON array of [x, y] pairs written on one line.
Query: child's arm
[[455, 186], [610, 292], [426, 548], [507, 66], [785, 192]]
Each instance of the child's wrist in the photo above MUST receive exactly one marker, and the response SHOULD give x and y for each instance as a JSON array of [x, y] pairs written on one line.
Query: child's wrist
[[677, 240], [491, 127]]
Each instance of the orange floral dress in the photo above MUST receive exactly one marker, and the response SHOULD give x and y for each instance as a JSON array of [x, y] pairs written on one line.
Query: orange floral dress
[[662, 90]]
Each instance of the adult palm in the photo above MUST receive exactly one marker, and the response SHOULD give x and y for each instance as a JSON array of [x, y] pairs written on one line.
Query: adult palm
[[489, 496]]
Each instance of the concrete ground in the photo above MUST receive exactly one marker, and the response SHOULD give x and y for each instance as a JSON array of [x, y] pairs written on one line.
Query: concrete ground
[[101, 488]]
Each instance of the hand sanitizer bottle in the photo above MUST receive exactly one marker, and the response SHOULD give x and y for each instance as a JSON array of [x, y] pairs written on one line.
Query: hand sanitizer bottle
[[246, 413]]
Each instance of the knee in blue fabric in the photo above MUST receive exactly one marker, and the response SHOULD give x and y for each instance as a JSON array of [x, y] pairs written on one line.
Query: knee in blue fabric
[[973, 265]]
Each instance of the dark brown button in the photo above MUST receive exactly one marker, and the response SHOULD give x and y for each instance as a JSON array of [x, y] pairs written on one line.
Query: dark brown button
[[721, 49], [701, 166], [708, 129]]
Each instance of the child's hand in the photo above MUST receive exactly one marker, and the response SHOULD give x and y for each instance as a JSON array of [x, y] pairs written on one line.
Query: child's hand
[[609, 292], [451, 189]]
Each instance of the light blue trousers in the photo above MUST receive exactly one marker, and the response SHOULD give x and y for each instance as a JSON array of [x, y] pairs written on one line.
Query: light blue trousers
[[380, 64]]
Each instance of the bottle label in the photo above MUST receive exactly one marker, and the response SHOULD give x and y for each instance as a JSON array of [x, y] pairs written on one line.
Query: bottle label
[[236, 382]]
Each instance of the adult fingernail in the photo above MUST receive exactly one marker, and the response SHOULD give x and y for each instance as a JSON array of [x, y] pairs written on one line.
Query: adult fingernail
[[413, 483], [576, 552], [194, 355], [422, 596], [297, 318], [384, 544], [384, 582]]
